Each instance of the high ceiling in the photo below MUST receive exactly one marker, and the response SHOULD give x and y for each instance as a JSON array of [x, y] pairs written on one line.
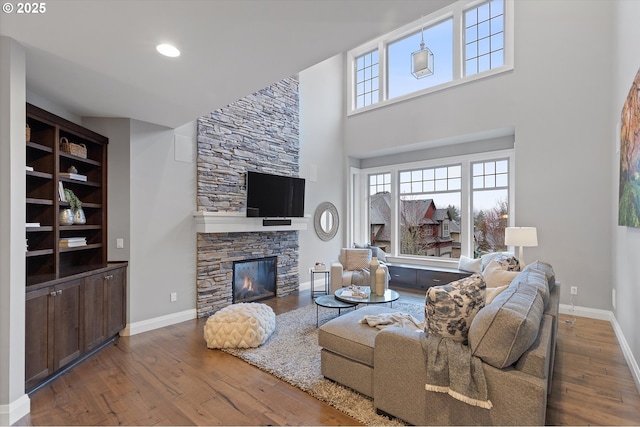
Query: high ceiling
[[98, 58]]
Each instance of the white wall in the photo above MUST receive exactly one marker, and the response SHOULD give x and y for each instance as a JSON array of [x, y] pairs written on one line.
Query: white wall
[[322, 155], [626, 245], [163, 236], [14, 403], [557, 100]]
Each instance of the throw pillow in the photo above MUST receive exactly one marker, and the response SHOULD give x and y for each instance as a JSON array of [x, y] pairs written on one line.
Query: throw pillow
[[450, 308], [496, 275], [508, 262], [487, 258], [469, 264], [492, 293], [357, 259]]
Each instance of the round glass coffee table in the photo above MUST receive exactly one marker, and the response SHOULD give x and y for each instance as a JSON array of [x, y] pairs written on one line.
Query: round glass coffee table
[[329, 301], [389, 296]]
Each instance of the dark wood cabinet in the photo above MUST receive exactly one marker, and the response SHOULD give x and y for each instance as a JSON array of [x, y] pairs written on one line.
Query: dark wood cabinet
[[52, 329], [421, 278], [71, 318]]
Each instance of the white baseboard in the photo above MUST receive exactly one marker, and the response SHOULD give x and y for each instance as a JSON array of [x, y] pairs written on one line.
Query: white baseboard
[[158, 322], [594, 313], [11, 413]]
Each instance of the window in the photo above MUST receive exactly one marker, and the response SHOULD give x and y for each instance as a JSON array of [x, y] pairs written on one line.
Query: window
[[367, 80], [430, 199], [438, 38], [484, 37], [469, 40], [437, 210], [380, 210], [490, 205]]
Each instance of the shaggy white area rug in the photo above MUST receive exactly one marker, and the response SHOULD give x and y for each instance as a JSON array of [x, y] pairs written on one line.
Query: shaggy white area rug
[[293, 355]]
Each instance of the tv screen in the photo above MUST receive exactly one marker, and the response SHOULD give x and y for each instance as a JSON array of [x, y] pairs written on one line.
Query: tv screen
[[274, 196]]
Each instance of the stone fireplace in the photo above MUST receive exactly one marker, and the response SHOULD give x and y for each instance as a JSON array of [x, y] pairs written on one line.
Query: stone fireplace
[[257, 133], [254, 279]]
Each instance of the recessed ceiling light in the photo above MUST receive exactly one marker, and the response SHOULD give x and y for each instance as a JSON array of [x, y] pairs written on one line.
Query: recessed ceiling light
[[168, 50]]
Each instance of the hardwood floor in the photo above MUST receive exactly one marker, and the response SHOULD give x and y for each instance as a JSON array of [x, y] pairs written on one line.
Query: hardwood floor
[[168, 377]]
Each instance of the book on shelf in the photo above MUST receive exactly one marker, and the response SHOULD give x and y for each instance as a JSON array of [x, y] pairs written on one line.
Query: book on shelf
[[29, 168], [73, 239], [74, 176], [32, 224], [61, 195]]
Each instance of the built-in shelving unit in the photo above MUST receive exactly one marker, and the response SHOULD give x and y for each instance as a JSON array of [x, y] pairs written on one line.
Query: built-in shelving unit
[[75, 300]]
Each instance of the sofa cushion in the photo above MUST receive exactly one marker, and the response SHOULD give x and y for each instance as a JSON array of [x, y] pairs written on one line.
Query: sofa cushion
[[502, 331], [496, 275], [546, 269], [469, 264], [450, 308], [357, 259], [492, 293]]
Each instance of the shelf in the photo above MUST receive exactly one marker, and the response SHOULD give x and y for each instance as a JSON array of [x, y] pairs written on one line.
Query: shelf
[[75, 181], [80, 227], [34, 201], [39, 229], [39, 253], [35, 145], [43, 175], [80, 159], [238, 222], [81, 248]]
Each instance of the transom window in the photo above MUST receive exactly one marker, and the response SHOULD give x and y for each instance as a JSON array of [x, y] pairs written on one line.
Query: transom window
[[484, 37], [367, 80], [469, 39]]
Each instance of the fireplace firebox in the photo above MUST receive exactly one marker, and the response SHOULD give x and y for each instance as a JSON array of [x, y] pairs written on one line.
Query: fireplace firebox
[[254, 279]]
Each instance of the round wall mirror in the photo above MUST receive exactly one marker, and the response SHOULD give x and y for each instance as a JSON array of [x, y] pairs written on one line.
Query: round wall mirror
[[326, 221]]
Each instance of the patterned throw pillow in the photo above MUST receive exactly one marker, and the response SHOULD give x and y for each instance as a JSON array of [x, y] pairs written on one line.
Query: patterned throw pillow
[[357, 259], [508, 262], [450, 308]]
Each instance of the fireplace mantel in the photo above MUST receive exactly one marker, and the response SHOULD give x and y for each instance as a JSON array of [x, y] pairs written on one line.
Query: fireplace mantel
[[238, 222]]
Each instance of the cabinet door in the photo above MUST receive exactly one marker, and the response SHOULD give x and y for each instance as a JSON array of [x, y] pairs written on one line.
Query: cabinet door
[[67, 323], [402, 276], [116, 288], [38, 336], [94, 302]]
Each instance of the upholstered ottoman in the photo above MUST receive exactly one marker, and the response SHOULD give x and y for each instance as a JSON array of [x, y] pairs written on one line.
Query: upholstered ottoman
[[347, 349], [240, 325]]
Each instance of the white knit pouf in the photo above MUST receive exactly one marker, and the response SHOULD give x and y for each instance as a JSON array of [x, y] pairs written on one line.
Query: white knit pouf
[[240, 325]]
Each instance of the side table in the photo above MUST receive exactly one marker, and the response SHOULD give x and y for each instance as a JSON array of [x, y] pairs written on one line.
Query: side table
[[325, 273]]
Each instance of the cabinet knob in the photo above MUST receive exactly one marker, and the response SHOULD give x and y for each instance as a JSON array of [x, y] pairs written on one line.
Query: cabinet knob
[[53, 293], [59, 291], [108, 277]]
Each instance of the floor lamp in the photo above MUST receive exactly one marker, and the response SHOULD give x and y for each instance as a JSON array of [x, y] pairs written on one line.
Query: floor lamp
[[521, 236]]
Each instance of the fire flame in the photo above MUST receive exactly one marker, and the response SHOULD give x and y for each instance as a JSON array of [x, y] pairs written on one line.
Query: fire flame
[[248, 284]]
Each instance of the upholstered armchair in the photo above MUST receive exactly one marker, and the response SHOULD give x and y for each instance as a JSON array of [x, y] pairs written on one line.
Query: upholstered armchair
[[352, 267]]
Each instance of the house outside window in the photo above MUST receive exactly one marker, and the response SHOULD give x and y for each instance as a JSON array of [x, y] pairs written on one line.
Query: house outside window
[[470, 40], [490, 183], [380, 210]]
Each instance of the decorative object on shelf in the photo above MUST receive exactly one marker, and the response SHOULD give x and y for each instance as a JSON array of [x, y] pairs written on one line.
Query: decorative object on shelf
[[422, 60], [72, 169], [326, 221], [74, 201], [79, 217], [381, 276], [320, 266], [521, 236], [78, 150], [66, 217], [372, 274], [28, 133]]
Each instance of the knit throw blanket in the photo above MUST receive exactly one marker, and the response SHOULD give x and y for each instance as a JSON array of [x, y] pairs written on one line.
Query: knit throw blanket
[[452, 369], [385, 320]]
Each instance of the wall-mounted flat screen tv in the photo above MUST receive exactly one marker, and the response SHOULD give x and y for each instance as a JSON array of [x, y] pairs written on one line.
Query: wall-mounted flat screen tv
[[274, 196]]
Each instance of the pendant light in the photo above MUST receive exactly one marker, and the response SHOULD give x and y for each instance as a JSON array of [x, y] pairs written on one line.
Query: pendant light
[[422, 60]]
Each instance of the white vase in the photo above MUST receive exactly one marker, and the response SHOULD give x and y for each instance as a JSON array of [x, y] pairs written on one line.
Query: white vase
[[381, 276], [373, 267]]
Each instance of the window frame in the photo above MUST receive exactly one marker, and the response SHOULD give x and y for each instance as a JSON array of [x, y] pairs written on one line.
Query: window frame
[[456, 12], [359, 203]]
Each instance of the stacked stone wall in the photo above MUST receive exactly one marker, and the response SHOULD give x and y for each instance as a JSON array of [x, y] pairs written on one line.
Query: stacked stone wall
[[257, 133]]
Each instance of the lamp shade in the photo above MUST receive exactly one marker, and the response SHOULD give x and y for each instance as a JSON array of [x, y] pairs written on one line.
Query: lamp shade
[[422, 62], [521, 236]]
